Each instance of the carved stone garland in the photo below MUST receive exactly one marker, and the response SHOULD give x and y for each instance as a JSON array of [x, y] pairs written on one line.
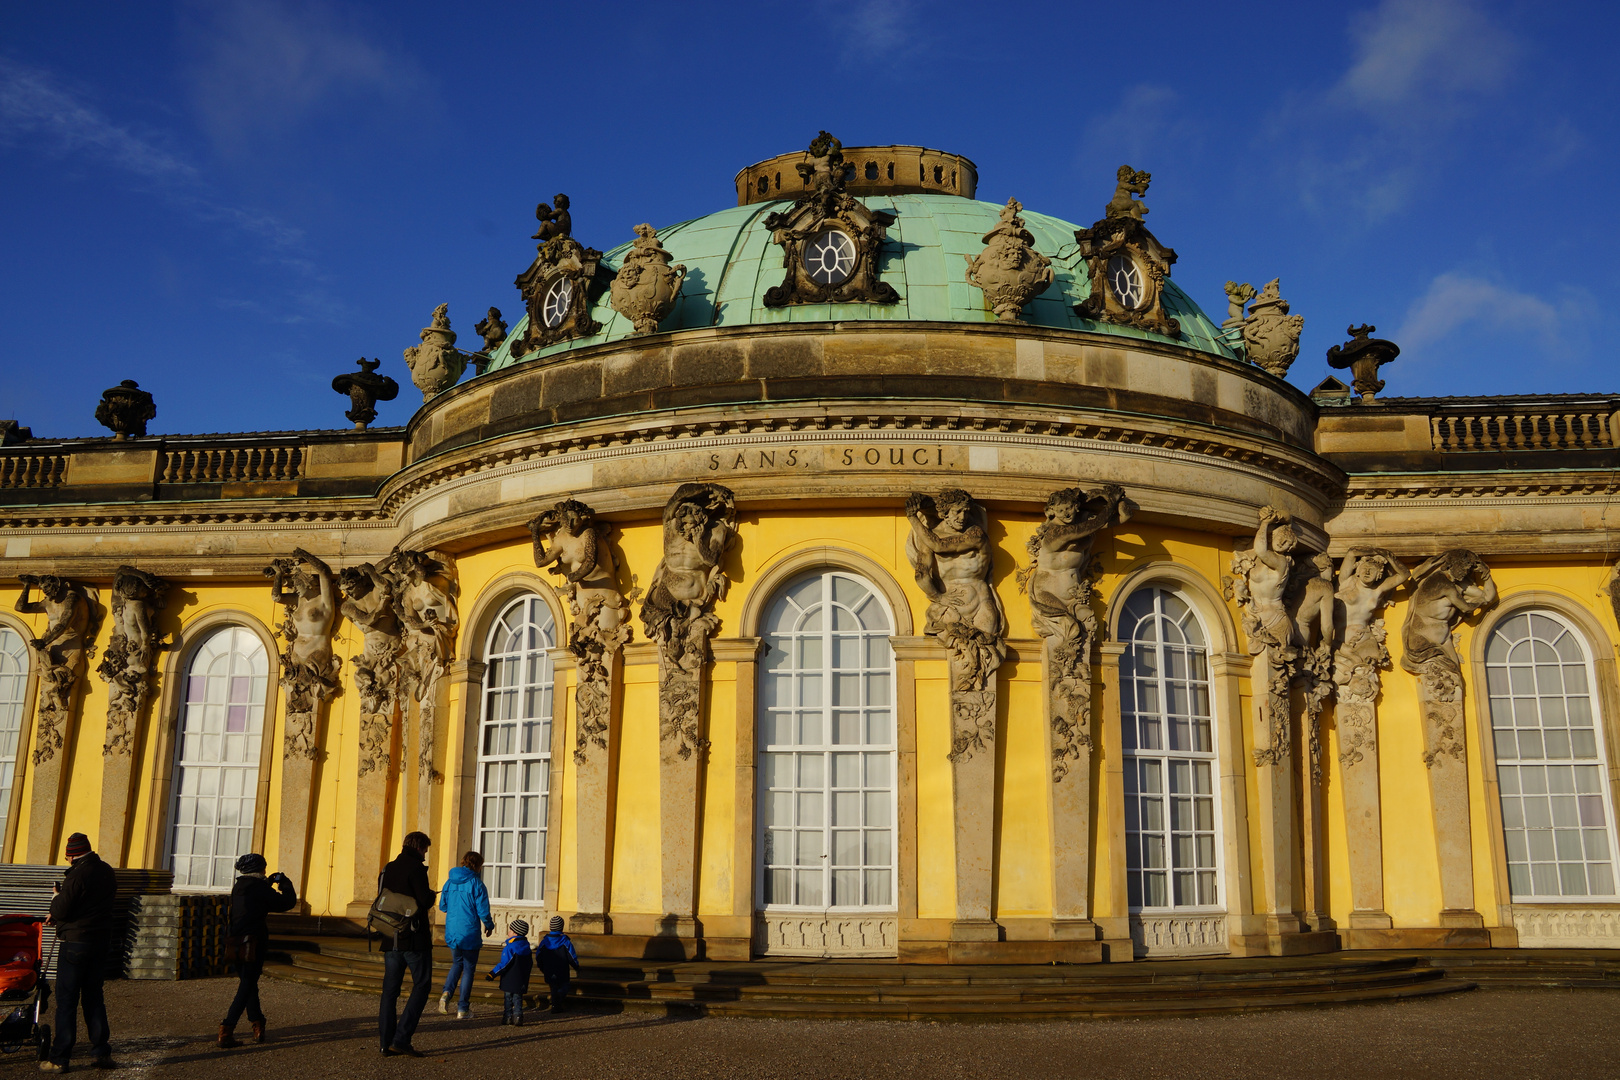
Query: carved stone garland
[[700, 525], [1450, 587], [428, 621], [60, 650], [829, 239], [949, 550], [369, 603], [1126, 264], [1009, 270]]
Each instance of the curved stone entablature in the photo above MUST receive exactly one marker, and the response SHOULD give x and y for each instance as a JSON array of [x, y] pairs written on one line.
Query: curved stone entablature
[[869, 170]]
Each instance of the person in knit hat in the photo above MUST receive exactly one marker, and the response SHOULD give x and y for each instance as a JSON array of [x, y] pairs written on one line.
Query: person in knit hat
[[514, 966], [555, 956], [82, 912], [254, 897]]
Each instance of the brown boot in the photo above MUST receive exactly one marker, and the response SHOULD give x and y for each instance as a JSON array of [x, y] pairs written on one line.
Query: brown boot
[[258, 1031], [227, 1038]]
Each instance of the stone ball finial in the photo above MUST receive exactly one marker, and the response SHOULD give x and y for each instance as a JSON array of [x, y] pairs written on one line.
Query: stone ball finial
[[124, 410], [365, 388]]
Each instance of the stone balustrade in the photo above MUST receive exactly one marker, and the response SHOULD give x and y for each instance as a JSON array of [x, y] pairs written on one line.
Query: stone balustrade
[[32, 470], [215, 465], [1498, 430]]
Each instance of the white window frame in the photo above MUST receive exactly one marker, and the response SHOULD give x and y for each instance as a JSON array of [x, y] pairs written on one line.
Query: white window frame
[[257, 697], [13, 708], [1132, 755], [1600, 762], [764, 750], [509, 817]]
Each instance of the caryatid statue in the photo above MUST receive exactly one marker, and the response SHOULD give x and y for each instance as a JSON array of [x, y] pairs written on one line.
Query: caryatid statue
[[1058, 581], [60, 650], [1450, 587], [1368, 580], [428, 616], [309, 671], [579, 552], [368, 603], [1260, 586], [700, 525], [949, 550], [126, 663]]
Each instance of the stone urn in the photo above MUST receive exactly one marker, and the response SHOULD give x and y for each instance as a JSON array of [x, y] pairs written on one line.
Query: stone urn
[[1009, 270], [436, 364], [1364, 354], [646, 286], [365, 388], [124, 410]]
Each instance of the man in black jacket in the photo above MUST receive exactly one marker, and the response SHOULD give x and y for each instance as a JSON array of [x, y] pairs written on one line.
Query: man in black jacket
[[412, 948], [253, 898], [82, 912]]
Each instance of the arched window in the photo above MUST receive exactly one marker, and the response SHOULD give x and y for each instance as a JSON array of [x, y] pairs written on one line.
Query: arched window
[[1171, 842], [13, 697], [216, 773], [514, 751], [1557, 820], [827, 747]]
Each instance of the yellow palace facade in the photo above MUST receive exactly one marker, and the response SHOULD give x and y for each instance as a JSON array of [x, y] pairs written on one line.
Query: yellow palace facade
[[861, 570]]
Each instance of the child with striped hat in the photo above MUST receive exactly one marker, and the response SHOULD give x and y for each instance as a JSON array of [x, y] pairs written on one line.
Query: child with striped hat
[[514, 966]]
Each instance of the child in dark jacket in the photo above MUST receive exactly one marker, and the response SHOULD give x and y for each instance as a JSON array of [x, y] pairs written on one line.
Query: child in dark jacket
[[517, 961], [555, 955]]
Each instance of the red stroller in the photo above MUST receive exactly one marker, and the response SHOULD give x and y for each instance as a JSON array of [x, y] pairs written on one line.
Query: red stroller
[[24, 991]]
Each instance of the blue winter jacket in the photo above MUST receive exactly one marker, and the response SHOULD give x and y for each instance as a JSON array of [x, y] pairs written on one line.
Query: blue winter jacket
[[465, 903], [517, 960], [554, 956]]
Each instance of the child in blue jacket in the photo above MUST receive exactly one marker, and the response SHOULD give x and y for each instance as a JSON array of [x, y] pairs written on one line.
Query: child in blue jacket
[[517, 961], [555, 955]]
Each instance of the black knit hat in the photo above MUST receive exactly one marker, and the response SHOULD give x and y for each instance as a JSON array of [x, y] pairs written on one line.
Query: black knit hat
[[251, 863]]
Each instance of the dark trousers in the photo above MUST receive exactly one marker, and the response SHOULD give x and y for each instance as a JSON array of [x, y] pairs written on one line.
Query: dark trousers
[[247, 994], [514, 1006], [81, 966], [395, 962], [559, 990]]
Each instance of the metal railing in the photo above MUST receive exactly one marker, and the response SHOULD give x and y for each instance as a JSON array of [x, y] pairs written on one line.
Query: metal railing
[[1528, 430]]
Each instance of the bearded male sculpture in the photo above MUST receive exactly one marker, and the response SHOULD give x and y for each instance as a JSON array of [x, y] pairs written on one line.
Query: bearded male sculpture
[[368, 603], [126, 663], [427, 614], [1450, 587], [309, 671], [60, 650]]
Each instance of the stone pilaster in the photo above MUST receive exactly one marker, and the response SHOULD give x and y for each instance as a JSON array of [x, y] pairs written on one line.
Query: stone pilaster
[[376, 788], [1069, 801], [1115, 928], [1274, 768], [1363, 814], [682, 710], [1446, 755], [595, 758], [55, 724], [973, 806], [744, 652]]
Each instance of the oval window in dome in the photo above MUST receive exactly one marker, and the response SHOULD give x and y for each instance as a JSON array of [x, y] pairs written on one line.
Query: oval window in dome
[[1125, 279], [829, 257], [554, 306]]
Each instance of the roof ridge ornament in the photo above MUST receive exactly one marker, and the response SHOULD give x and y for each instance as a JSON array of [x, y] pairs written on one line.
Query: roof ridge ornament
[[829, 239], [647, 286], [1126, 263], [435, 365], [365, 388], [124, 410], [1269, 336], [1364, 354], [561, 284], [1009, 270]]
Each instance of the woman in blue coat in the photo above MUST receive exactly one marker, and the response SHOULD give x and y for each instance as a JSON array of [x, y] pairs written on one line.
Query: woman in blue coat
[[465, 903]]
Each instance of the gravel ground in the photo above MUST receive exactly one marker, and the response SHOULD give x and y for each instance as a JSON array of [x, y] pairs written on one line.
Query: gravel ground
[[165, 1030]]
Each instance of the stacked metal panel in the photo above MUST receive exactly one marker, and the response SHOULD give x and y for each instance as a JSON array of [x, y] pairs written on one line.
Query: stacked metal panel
[[26, 890]]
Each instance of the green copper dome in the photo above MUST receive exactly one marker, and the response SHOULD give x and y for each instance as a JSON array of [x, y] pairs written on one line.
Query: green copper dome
[[730, 262]]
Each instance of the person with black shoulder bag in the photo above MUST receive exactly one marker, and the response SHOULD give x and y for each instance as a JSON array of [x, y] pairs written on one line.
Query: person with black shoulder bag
[[401, 912], [253, 898]]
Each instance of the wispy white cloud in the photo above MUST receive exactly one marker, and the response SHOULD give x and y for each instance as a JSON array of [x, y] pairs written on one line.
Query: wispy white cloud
[[35, 109], [1414, 58], [1457, 302], [261, 67], [1147, 120], [872, 30]]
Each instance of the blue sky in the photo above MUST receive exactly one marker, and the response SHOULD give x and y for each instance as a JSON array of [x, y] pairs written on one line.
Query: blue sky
[[231, 201]]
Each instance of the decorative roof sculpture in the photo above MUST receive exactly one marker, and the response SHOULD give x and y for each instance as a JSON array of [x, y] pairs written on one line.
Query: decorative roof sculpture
[[561, 283], [647, 286], [436, 364], [1270, 335], [1364, 354], [829, 239], [1009, 270], [365, 388], [124, 410], [1126, 263]]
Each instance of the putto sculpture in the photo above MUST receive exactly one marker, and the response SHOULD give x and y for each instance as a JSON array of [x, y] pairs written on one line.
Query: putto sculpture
[[1058, 581], [365, 388], [126, 662], [647, 286], [949, 550], [124, 410], [309, 670], [1009, 270], [700, 525], [580, 553], [560, 285], [492, 328], [1126, 265], [60, 650], [1269, 334], [555, 220], [829, 239], [368, 603], [1364, 354], [436, 365]]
